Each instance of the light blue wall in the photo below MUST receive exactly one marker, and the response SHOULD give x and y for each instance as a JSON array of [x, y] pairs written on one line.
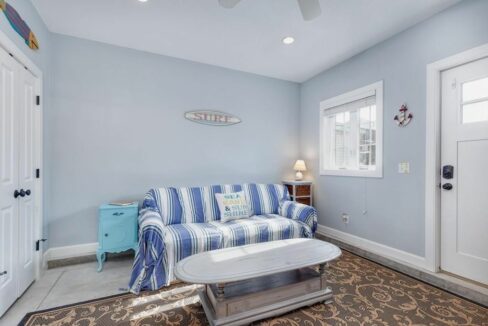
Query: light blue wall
[[41, 58], [116, 129], [394, 204], [115, 126]]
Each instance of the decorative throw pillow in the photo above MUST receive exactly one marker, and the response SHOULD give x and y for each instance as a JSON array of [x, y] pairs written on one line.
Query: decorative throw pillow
[[232, 206]]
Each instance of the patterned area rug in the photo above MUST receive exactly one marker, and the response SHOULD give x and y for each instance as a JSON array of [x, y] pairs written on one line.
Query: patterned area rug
[[364, 294]]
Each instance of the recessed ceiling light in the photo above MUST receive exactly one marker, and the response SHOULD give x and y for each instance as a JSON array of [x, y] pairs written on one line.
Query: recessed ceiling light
[[142, 0], [288, 40]]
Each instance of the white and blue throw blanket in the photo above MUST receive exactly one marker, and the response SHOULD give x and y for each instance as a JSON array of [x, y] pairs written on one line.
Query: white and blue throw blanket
[[175, 223]]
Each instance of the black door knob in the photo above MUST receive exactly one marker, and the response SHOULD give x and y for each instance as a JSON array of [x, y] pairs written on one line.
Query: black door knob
[[447, 186], [16, 193], [22, 193], [28, 192]]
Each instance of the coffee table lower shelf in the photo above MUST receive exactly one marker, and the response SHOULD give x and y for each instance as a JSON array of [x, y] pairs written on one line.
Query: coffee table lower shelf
[[241, 303]]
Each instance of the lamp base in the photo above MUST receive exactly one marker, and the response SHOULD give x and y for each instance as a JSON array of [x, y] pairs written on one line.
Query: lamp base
[[299, 176]]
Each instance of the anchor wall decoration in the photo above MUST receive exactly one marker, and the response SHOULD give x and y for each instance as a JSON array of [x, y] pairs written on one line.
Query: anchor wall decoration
[[403, 118]]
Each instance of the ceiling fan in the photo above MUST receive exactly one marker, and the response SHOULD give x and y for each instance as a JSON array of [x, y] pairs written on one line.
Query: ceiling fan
[[310, 8]]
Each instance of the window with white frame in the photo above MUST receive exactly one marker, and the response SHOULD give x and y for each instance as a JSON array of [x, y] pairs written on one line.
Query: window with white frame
[[351, 133]]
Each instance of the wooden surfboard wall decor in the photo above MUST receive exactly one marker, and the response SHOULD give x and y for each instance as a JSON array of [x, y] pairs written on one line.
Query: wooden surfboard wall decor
[[19, 25], [212, 118]]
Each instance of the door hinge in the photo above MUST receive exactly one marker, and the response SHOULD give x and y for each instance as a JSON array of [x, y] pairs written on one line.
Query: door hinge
[[38, 100], [38, 243], [38, 173]]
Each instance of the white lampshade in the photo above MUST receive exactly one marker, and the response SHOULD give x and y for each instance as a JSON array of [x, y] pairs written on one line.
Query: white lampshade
[[300, 166]]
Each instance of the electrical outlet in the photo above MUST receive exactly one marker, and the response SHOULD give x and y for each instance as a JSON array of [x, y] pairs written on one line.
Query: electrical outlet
[[345, 218]]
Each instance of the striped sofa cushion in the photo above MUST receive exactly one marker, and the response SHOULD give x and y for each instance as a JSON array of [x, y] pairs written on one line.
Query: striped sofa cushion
[[183, 240], [265, 198], [165, 201], [260, 228], [199, 204]]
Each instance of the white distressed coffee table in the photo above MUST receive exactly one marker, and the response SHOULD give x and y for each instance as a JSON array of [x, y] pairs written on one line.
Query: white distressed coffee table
[[252, 282]]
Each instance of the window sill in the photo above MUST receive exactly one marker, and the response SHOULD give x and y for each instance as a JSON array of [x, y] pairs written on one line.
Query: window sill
[[353, 173]]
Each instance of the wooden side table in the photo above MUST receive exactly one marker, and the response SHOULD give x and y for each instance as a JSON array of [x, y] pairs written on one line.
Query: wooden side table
[[117, 230], [300, 191]]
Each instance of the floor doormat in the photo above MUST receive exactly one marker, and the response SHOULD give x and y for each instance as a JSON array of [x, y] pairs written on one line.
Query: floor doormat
[[365, 293]]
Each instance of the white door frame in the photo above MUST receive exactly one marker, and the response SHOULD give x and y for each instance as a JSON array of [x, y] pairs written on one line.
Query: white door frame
[[433, 150], [8, 45]]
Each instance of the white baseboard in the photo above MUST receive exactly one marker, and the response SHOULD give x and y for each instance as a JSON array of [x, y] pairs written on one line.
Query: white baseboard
[[70, 251], [391, 253], [368, 245]]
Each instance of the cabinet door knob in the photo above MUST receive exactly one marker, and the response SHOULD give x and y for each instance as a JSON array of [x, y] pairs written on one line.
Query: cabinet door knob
[[3, 273], [118, 213], [106, 234], [28, 192]]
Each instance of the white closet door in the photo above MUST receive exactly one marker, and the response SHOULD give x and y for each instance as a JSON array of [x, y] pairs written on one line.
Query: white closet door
[[9, 162], [27, 109]]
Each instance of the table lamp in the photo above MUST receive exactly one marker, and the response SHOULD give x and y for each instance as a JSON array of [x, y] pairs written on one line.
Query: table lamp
[[299, 167]]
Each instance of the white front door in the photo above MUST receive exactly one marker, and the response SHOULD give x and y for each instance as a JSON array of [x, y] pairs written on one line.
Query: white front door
[[464, 193], [9, 162], [26, 180]]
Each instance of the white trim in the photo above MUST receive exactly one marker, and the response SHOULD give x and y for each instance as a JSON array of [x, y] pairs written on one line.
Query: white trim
[[9, 46], [19, 55], [391, 253], [433, 149], [375, 89], [80, 250]]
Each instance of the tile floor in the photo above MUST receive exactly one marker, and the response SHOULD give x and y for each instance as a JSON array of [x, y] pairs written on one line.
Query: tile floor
[[70, 284]]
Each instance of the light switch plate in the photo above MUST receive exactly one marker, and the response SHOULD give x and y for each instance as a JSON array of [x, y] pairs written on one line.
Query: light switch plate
[[404, 167]]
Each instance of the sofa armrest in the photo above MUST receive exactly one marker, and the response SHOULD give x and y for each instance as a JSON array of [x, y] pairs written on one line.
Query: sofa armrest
[[150, 253], [303, 213]]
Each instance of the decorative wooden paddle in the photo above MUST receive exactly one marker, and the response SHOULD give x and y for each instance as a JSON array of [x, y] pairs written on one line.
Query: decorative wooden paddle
[[19, 25]]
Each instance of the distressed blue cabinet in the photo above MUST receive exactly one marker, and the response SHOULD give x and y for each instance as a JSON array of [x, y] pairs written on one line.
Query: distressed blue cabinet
[[117, 230]]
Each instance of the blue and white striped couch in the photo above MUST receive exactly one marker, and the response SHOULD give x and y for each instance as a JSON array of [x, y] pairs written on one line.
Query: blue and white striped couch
[[175, 223]]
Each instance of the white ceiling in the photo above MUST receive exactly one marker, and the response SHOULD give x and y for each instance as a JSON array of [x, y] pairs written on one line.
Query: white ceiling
[[246, 38]]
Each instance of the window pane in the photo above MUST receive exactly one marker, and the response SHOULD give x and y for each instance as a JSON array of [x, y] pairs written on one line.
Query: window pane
[[328, 154], [367, 138], [339, 140], [475, 112], [343, 136], [475, 90]]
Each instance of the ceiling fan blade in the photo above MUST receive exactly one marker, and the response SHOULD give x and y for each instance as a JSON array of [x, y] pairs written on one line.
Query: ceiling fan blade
[[229, 3], [310, 9]]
